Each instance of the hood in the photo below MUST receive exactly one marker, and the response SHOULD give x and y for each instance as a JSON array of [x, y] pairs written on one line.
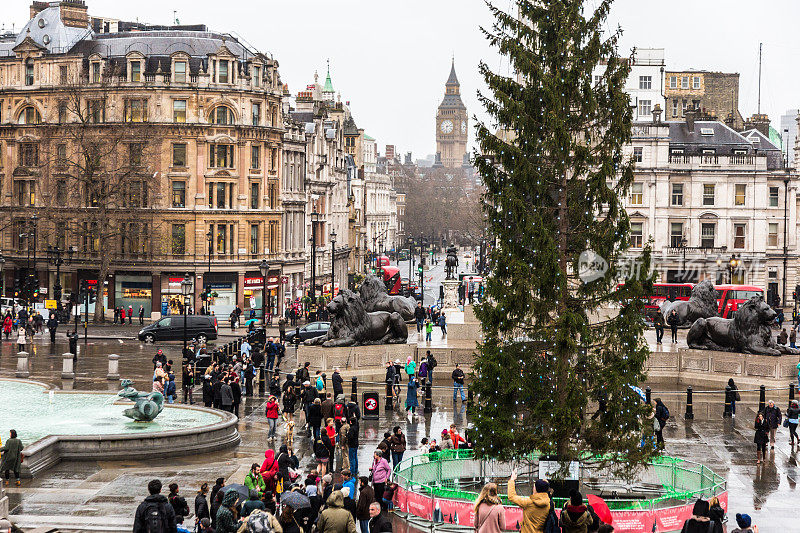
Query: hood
[[573, 518], [336, 499], [230, 499], [156, 498], [284, 449], [269, 455]]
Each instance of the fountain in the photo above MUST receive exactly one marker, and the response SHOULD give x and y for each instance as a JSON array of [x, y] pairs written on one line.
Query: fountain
[[146, 407], [69, 425]]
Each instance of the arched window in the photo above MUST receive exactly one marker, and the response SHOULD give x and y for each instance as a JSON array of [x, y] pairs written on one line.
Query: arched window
[[29, 115], [222, 115]]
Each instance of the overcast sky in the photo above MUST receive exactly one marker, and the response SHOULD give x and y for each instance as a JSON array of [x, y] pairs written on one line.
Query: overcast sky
[[390, 59]]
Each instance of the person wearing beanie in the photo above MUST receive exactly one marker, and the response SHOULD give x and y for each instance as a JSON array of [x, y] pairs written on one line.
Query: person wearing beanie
[[699, 521], [745, 524], [535, 507], [575, 517]]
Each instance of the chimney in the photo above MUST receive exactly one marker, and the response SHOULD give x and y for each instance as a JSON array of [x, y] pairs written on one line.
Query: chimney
[[74, 13], [38, 7], [730, 120], [759, 122], [657, 114], [691, 115]]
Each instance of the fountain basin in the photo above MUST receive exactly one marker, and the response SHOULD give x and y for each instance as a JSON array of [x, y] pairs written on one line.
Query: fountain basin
[[89, 426]]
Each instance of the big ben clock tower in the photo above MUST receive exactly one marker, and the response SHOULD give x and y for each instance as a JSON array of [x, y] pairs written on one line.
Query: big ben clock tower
[[451, 124]]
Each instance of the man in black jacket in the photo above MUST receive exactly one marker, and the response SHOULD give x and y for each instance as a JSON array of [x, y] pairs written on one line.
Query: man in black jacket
[[154, 513], [215, 490], [419, 316], [378, 523], [338, 383], [52, 325], [458, 383]]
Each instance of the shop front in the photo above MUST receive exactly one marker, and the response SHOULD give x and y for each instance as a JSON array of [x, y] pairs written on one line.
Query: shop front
[[134, 291], [172, 294], [89, 278], [222, 287], [254, 294]]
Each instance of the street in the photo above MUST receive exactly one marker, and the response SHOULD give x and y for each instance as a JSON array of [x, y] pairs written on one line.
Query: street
[[434, 274]]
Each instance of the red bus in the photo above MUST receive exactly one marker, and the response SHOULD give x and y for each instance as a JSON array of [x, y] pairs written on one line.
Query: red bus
[[729, 297], [391, 278]]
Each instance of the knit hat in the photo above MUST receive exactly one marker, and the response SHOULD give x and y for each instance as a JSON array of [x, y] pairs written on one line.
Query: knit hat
[[327, 479], [575, 497], [542, 485], [345, 491], [743, 520]]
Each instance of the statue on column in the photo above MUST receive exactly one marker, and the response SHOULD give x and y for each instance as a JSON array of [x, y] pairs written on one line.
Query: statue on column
[[451, 262]]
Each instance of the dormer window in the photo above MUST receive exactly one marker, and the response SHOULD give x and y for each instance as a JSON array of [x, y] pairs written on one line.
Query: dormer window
[[180, 71], [223, 72], [29, 72], [257, 76], [95, 72], [135, 71]]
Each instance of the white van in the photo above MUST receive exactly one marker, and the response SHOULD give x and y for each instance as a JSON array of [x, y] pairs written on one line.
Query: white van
[[7, 303]]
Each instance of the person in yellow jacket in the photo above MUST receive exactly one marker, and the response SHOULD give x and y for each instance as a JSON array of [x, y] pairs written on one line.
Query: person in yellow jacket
[[535, 507]]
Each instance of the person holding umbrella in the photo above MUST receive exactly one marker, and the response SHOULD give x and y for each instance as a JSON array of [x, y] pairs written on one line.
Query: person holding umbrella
[[227, 514]]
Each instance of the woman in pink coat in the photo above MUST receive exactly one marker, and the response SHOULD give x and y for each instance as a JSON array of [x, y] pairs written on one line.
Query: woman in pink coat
[[490, 516], [381, 472]]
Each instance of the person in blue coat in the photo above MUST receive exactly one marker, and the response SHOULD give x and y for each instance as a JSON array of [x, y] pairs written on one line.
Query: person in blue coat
[[411, 394]]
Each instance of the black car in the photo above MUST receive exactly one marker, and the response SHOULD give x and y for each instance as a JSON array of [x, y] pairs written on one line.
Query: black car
[[309, 331], [171, 328]]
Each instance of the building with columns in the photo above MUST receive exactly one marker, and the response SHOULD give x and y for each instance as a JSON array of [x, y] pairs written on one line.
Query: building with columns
[[197, 164]]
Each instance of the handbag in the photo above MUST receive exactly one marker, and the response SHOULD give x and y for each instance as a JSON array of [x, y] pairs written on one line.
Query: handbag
[[786, 422], [656, 425]]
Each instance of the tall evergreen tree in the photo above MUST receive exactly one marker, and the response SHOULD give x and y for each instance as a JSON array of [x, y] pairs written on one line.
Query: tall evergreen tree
[[555, 179]]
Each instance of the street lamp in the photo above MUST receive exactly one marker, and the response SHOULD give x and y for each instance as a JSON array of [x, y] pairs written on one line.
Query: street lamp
[[186, 289], [264, 268], [314, 218], [333, 261], [733, 264], [683, 244], [207, 281]]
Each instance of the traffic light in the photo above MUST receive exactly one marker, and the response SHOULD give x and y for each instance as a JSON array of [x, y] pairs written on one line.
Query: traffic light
[[419, 269], [91, 295], [57, 292]]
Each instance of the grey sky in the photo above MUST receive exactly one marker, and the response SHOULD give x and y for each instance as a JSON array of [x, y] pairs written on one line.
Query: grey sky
[[391, 59]]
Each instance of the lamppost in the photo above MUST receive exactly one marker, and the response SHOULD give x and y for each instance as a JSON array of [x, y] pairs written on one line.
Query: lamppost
[[683, 244], [264, 268], [314, 218], [186, 290], [34, 276], [54, 254], [207, 281], [2, 276], [410, 258], [333, 262], [733, 264]]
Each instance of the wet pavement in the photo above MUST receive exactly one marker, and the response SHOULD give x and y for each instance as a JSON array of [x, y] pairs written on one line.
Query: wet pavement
[[104, 495]]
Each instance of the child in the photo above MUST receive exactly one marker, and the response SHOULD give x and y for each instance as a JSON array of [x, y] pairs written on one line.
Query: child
[[428, 330], [170, 390], [388, 495]]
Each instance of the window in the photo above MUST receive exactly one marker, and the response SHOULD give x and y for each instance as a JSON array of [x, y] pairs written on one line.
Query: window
[[135, 110], [673, 82], [683, 108], [707, 232], [273, 194], [220, 156], [255, 190], [135, 151], [645, 82], [257, 76], [637, 193], [95, 72], [598, 79], [223, 72], [254, 239], [256, 114], [675, 108], [29, 72], [63, 71], [178, 194], [97, 111], [29, 154], [636, 234], [30, 115], [708, 194], [61, 156], [179, 111], [773, 197], [695, 82], [136, 71], [677, 194], [222, 115], [255, 156], [676, 235], [739, 194], [178, 239], [637, 154], [25, 192], [645, 107], [62, 112], [180, 72], [738, 236], [684, 82], [61, 192], [273, 159], [136, 194], [179, 155], [772, 234], [220, 195], [222, 238]]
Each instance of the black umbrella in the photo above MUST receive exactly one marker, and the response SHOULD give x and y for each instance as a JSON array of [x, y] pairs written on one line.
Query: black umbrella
[[244, 492], [296, 500]]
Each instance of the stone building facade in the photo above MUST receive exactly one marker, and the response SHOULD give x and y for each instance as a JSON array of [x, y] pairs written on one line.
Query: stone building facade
[[208, 201], [714, 94]]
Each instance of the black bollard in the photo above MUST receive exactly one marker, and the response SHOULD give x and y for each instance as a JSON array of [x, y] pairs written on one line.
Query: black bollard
[[469, 399], [689, 408], [262, 381], [428, 407], [647, 394], [791, 393], [728, 411], [354, 390], [762, 397], [388, 397]]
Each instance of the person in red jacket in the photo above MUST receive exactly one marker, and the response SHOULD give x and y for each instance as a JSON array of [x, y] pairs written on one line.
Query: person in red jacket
[[455, 437], [272, 415], [269, 470]]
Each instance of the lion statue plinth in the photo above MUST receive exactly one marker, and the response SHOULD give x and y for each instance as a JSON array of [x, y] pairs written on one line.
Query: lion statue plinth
[[352, 325], [747, 332], [701, 304], [376, 298]]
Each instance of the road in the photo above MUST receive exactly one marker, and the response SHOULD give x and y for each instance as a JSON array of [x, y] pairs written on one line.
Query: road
[[434, 274]]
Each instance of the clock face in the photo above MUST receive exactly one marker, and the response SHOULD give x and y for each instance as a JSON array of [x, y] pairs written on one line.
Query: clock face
[[463, 127], [447, 126]]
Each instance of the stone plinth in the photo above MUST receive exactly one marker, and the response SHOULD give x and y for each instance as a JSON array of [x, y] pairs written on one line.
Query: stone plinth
[[67, 366], [450, 300], [3, 503], [23, 370], [354, 357], [113, 367]]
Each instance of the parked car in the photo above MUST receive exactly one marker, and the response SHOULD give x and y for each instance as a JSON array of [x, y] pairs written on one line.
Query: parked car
[[309, 331], [170, 328]]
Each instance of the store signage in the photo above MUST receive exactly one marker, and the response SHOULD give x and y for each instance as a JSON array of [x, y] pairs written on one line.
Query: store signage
[[221, 286], [253, 283], [285, 280], [175, 283], [273, 282]]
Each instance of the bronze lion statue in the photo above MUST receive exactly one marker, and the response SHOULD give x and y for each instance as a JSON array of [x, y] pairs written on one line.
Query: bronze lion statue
[[747, 332], [352, 325], [376, 298], [701, 304]]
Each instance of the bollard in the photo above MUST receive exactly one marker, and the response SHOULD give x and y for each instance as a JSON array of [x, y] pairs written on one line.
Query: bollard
[[22, 365], [262, 380], [67, 366], [113, 367], [689, 408], [728, 397], [469, 399], [791, 393], [388, 397], [647, 395], [762, 398], [428, 408], [354, 390]]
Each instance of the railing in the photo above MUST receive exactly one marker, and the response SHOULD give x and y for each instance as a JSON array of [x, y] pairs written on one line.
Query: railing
[[711, 160]]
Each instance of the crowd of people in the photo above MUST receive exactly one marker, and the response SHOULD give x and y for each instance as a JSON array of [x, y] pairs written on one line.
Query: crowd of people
[[22, 325]]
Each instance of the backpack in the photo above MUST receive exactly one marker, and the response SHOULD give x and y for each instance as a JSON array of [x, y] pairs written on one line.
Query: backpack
[[258, 522], [338, 412], [410, 368], [432, 362], [155, 517], [551, 523]]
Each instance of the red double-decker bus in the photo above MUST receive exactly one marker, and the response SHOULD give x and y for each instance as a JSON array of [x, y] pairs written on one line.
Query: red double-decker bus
[[729, 297]]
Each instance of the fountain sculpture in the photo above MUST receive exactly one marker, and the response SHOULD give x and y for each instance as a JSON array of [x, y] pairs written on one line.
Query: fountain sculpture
[[147, 405]]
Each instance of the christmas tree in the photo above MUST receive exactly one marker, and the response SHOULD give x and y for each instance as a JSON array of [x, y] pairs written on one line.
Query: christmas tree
[[555, 175]]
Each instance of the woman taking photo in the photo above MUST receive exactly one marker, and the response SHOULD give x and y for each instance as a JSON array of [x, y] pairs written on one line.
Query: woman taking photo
[[490, 517], [761, 437]]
